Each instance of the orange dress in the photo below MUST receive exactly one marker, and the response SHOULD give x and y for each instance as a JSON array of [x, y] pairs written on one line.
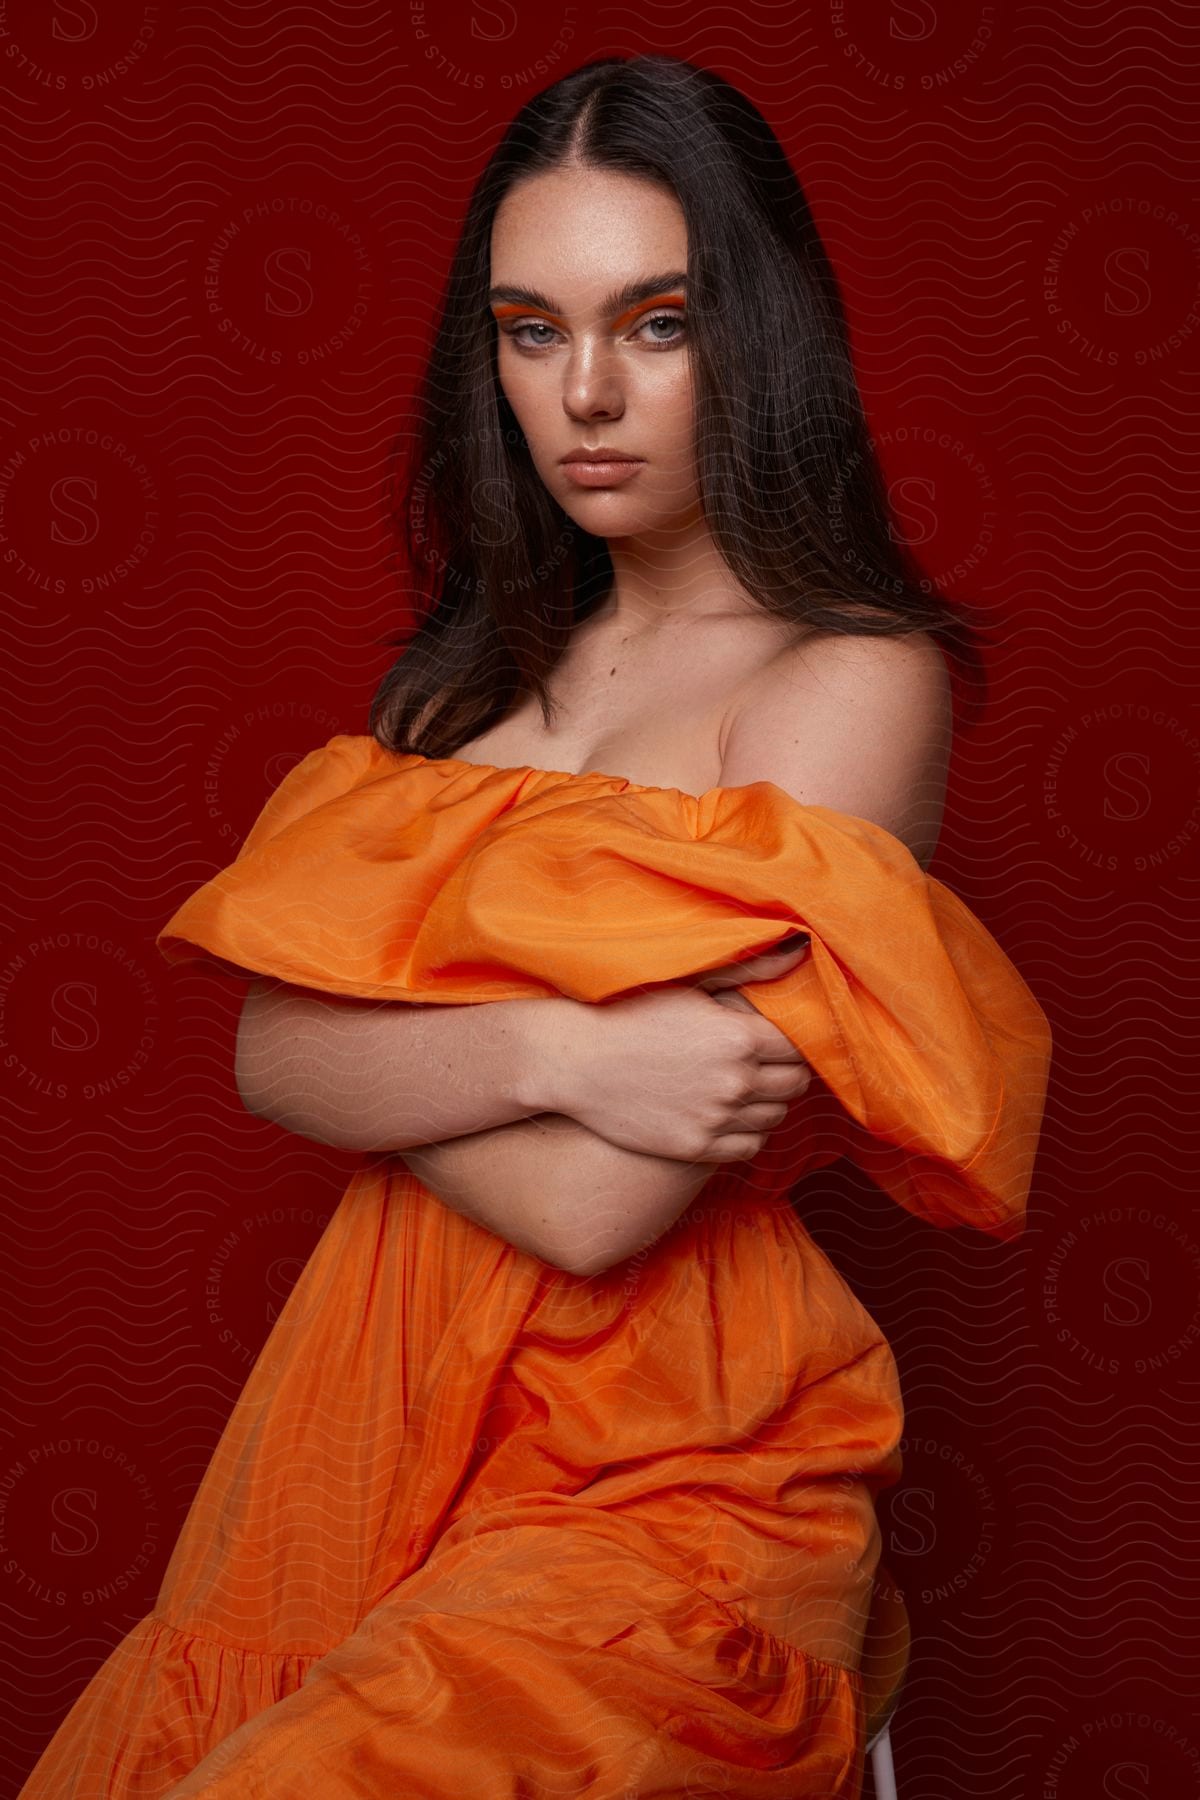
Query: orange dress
[[479, 1527]]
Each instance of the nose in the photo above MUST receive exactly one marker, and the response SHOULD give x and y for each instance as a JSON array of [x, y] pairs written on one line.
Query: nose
[[592, 384]]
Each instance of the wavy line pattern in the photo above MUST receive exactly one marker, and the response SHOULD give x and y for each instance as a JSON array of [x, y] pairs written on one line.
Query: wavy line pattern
[[226, 228]]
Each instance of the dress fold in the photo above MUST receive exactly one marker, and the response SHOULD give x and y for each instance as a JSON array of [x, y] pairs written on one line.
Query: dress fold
[[160, 1701], [447, 882], [479, 1526]]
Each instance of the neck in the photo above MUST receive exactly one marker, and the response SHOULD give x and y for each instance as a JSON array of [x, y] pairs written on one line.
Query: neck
[[668, 577]]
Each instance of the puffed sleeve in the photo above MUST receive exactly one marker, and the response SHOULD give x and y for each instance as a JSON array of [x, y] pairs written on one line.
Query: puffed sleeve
[[213, 924], [450, 883]]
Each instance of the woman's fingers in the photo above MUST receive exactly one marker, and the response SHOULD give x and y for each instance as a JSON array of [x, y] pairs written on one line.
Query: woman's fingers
[[764, 967]]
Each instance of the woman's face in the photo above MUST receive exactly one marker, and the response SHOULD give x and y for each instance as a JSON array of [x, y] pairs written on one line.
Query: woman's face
[[585, 365]]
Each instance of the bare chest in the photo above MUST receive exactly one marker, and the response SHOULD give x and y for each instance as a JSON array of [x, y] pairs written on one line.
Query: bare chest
[[654, 710]]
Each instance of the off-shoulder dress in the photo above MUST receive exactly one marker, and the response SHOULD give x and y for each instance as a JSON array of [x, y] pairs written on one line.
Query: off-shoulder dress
[[481, 1527]]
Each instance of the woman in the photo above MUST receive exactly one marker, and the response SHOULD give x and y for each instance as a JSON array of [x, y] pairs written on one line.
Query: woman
[[557, 1473]]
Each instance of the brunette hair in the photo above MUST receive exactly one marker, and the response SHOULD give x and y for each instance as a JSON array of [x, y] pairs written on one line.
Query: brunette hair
[[788, 480]]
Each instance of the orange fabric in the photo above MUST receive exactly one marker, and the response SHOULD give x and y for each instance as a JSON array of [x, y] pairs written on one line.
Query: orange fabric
[[478, 1526]]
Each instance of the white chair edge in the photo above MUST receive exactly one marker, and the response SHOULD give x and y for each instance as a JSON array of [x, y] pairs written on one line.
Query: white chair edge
[[883, 1769]]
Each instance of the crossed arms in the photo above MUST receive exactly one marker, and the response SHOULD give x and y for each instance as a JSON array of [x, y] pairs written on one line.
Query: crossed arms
[[468, 1095]]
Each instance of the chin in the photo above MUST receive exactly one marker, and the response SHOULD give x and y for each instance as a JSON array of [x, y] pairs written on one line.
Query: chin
[[604, 511]]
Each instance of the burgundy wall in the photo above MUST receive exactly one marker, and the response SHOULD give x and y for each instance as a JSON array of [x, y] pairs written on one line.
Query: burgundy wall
[[227, 228]]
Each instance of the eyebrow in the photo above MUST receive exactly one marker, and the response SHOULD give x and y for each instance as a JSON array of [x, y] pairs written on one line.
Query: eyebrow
[[620, 301]]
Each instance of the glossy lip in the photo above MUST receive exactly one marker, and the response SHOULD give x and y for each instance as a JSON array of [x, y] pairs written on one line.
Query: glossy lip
[[603, 453], [602, 474]]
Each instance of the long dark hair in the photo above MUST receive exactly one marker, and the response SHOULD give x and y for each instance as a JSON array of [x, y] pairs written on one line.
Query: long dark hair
[[788, 480]]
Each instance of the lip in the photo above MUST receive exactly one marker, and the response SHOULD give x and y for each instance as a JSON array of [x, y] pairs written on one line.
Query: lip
[[601, 468], [602, 453]]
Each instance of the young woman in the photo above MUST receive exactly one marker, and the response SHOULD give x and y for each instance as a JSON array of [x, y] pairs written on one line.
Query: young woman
[[557, 1474]]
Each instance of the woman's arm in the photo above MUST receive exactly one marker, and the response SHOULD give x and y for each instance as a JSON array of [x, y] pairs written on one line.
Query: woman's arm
[[469, 1095], [370, 1075], [463, 1092], [555, 1189], [476, 1097], [856, 724], [861, 725]]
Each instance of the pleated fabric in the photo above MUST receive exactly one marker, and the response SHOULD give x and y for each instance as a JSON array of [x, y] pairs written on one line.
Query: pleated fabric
[[480, 1526]]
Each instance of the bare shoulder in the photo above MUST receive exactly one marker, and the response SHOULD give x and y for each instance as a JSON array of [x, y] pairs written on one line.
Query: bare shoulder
[[912, 663], [863, 725]]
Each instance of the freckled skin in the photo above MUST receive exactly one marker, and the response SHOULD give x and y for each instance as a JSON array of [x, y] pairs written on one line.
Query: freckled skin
[[575, 235]]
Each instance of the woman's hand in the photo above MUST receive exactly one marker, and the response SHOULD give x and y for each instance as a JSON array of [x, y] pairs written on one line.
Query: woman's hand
[[690, 1071]]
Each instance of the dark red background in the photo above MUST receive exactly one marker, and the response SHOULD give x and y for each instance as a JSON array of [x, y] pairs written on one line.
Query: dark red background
[[206, 378]]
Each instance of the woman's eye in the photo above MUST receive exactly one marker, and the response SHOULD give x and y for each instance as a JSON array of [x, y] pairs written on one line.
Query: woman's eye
[[676, 336], [658, 339], [533, 325]]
